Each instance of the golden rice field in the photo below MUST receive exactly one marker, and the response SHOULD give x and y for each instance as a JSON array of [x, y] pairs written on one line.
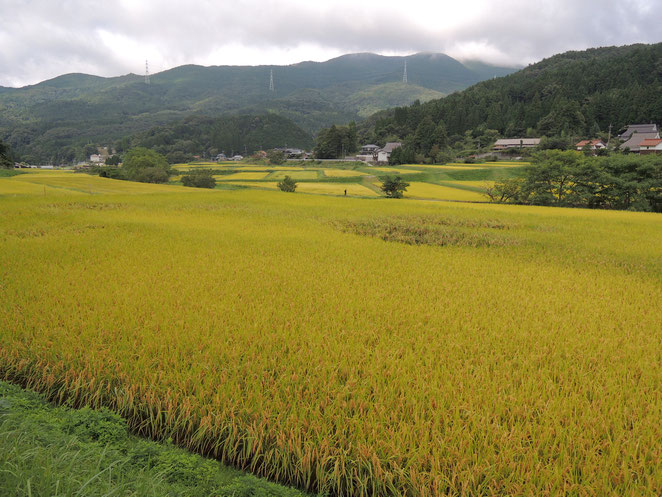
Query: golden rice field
[[394, 170], [349, 346], [242, 176], [295, 174], [342, 173], [272, 185], [422, 190], [491, 164], [355, 189], [68, 183]]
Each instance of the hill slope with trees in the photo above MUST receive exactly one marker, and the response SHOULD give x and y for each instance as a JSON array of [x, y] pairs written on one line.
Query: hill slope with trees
[[55, 119], [575, 94], [242, 134]]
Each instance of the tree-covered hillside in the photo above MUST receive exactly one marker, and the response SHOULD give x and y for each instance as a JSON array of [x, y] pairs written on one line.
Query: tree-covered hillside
[[572, 94], [230, 135], [55, 119]]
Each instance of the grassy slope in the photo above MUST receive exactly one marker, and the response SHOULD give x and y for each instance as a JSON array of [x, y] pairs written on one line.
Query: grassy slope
[[49, 451]]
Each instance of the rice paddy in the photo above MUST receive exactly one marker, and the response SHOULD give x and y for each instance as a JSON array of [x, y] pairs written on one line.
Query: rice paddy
[[342, 173], [355, 189], [439, 192], [349, 346], [294, 174], [242, 176]]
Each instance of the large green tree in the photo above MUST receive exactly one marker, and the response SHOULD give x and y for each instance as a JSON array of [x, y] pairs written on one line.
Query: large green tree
[[5, 161], [336, 141], [145, 165]]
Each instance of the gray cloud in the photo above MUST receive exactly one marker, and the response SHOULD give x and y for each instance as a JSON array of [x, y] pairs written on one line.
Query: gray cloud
[[41, 39]]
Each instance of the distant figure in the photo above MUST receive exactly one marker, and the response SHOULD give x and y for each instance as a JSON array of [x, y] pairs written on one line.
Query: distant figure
[[345, 192]]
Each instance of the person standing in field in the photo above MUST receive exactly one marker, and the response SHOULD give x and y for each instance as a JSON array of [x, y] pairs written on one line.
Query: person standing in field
[[345, 192]]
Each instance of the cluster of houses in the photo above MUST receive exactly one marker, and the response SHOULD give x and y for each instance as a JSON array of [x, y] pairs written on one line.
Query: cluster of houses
[[642, 138], [290, 153], [373, 153], [637, 138]]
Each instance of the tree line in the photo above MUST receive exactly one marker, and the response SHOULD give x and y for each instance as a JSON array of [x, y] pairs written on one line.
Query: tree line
[[573, 179], [564, 98]]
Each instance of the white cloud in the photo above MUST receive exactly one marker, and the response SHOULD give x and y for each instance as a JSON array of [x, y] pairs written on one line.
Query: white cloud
[[41, 38]]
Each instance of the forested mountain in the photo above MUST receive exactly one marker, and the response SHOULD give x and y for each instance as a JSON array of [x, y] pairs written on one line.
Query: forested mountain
[[231, 135], [575, 94], [54, 119]]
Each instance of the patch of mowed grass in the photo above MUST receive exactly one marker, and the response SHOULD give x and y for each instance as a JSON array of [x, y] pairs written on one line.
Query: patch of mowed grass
[[526, 369], [47, 451]]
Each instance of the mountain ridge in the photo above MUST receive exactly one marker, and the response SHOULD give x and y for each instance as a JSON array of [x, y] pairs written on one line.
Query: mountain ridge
[[72, 110]]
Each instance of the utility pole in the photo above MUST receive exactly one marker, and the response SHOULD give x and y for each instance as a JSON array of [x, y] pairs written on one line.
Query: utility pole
[[609, 137], [404, 75], [146, 72], [271, 81]]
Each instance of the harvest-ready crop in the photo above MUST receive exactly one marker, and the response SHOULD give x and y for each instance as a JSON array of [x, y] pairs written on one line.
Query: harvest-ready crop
[[346, 345]]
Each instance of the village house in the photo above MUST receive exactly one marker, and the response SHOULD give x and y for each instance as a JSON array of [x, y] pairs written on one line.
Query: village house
[[384, 154], [592, 145], [638, 128], [369, 149], [651, 146], [635, 134], [506, 143], [635, 141]]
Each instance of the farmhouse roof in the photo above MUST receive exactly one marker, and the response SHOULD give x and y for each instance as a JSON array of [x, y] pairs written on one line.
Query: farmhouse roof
[[593, 143], [651, 142], [516, 142], [391, 146], [634, 142], [638, 128]]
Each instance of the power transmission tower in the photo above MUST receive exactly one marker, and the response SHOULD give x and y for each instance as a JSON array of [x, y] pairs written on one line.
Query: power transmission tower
[[271, 81], [146, 72], [404, 75]]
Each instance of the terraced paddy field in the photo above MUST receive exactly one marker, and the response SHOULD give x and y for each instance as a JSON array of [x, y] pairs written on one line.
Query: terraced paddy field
[[354, 189], [70, 183], [296, 174], [348, 346], [342, 173], [442, 192], [271, 185], [242, 176]]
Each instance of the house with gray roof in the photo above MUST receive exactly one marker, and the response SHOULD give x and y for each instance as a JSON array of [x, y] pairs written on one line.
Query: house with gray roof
[[635, 140], [638, 128], [385, 153], [506, 143]]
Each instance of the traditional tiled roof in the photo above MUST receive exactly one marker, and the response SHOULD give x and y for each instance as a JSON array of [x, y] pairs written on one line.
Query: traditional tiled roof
[[634, 142], [391, 146], [516, 142], [593, 143], [651, 142], [638, 128]]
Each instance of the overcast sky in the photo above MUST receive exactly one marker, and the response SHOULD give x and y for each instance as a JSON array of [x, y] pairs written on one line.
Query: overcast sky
[[40, 39]]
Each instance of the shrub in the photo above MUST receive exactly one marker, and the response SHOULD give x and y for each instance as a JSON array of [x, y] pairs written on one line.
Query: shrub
[[276, 157], [287, 185], [394, 187], [147, 166], [150, 175], [199, 179]]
